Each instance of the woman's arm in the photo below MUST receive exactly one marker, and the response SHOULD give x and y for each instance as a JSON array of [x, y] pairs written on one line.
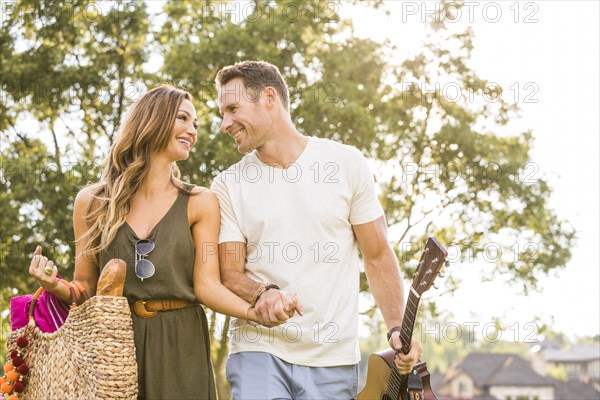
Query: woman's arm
[[205, 219], [86, 268]]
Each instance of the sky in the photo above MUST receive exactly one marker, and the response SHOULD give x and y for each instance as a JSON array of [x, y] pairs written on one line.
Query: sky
[[548, 53]]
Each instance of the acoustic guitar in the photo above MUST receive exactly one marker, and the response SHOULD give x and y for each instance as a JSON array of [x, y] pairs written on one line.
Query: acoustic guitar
[[384, 382]]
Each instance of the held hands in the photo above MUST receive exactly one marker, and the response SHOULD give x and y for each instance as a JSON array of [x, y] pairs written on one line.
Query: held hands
[[43, 270], [405, 362], [274, 307]]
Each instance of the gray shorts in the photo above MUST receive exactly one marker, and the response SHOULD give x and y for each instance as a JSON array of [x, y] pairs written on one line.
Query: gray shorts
[[256, 375]]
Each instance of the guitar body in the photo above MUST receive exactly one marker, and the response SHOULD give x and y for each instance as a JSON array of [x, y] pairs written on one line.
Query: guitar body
[[378, 375], [379, 368]]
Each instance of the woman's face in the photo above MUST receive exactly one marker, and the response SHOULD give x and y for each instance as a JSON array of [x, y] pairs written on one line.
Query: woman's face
[[184, 134]]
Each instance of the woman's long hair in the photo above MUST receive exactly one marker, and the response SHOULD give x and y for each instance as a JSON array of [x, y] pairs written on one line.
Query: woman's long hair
[[147, 128]]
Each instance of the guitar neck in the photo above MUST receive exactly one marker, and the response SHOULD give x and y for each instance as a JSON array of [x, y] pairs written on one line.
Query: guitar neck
[[408, 322], [429, 267]]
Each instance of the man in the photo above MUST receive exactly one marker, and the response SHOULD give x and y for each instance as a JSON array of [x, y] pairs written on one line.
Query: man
[[294, 213]]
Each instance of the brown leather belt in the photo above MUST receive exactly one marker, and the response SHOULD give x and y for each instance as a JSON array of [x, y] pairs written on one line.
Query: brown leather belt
[[149, 308]]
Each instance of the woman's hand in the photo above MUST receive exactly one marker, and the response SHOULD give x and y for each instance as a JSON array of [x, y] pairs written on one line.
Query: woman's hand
[[43, 270], [251, 315], [291, 304], [275, 307]]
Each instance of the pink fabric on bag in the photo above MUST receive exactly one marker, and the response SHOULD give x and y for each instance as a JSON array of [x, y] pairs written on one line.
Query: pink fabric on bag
[[49, 312]]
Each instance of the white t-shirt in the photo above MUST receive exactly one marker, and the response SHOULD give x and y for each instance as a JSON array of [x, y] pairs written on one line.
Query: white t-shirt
[[297, 225]]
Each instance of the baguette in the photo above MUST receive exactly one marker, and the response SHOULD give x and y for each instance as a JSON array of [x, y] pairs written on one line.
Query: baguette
[[112, 278]]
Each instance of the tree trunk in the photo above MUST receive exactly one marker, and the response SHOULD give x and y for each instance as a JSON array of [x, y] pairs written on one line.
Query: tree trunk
[[223, 390]]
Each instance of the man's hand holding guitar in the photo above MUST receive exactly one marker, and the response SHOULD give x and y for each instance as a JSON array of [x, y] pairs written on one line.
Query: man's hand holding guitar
[[405, 362]]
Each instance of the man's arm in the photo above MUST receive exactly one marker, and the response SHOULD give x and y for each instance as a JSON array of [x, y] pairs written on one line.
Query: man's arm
[[385, 281], [382, 270], [273, 307], [232, 257]]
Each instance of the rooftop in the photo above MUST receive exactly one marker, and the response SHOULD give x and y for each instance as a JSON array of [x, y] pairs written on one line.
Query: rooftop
[[577, 353], [500, 370]]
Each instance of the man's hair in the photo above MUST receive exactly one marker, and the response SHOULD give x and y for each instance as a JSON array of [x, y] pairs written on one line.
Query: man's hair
[[256, 76]]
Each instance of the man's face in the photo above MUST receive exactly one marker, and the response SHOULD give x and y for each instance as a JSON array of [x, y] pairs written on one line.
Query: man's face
[[245, 118]]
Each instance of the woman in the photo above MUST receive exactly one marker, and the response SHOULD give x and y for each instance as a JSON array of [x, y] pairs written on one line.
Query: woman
[[167, 232]]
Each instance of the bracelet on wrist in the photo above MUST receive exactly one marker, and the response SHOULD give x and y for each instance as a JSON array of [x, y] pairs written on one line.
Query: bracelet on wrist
[[248, 321], [261, 290], [394, 329]]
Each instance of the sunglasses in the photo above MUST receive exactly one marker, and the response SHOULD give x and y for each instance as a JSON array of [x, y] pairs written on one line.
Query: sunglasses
[[144, 269]]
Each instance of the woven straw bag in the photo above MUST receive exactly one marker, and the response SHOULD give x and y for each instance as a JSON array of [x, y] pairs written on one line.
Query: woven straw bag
[[92, 356]]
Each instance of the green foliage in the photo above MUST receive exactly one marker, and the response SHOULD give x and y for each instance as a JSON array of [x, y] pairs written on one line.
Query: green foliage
[[453, 167], [38, 193], [557, 372], [590, 340], [73, 67]]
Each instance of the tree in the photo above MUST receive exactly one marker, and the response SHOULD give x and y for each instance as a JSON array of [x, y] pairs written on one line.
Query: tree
[[69, 70], [88, 65], [75, 71]]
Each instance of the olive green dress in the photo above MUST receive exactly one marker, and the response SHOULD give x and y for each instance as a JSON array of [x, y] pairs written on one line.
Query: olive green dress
[[172, 348]]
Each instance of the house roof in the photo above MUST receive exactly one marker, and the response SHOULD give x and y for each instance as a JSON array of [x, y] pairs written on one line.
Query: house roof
[[517, 371], [577, 353], [500, 370], [556, 343], [435, 380], [575, 390]]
